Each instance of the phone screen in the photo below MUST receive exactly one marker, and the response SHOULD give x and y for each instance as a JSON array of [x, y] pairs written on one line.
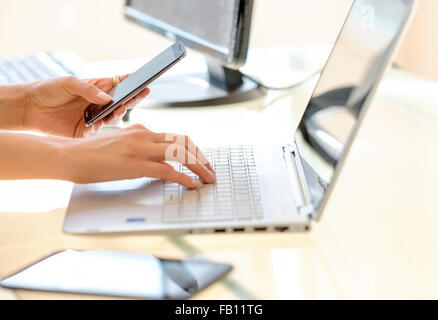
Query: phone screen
[[119, 274], [136, 82]]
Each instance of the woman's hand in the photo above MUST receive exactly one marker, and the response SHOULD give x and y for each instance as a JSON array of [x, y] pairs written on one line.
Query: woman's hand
[[134, 152], [56, 106]]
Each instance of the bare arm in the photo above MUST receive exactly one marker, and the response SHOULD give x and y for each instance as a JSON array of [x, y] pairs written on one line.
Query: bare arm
[[12, 105], [25, 156], [128, 153]]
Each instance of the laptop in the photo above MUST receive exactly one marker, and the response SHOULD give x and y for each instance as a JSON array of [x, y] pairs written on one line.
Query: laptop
[[279, 188], [39, 66]]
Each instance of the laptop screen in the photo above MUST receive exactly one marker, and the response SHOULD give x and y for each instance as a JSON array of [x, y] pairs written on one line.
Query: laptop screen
[[358, 59]]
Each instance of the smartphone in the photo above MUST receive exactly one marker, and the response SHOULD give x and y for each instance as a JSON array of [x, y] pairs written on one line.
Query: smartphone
[[136, 82]]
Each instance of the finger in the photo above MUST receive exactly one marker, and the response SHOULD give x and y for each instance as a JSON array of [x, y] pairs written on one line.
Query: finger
[[137, 99], [104, 84], [115, 116], [188, 144], [97, 126], [86, 90], [166, 172], [175, 152], [131, 103], [144, 93], [93, 129], [203, 159], [86, 132], [201, 170], [123, 77]]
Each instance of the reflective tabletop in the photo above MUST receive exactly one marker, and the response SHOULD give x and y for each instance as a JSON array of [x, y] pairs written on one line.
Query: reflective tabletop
[[376, 237]]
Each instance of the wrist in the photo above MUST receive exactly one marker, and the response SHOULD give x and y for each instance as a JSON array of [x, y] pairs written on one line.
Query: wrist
[[66, 159], [13, 102]]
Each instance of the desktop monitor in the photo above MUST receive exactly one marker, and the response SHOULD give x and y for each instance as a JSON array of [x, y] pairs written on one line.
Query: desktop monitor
[[219, 29]]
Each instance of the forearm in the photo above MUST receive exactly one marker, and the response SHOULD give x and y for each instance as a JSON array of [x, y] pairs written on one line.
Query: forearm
[[25, 156], [12, 105], [129, 153]]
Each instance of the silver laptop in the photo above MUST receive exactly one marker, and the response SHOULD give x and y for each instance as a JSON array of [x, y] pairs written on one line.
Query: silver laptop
[[264, 189]]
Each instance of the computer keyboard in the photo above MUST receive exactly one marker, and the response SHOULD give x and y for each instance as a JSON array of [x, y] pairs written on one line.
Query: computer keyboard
[[234, 196], [32, 68]]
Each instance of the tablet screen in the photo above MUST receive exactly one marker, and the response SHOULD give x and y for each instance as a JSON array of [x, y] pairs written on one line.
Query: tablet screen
[[118, 274]]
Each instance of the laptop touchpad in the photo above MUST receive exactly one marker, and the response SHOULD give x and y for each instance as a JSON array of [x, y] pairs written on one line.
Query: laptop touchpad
[[116, 203]]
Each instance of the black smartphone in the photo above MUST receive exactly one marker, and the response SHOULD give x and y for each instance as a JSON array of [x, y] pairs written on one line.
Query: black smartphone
[[136, 82]]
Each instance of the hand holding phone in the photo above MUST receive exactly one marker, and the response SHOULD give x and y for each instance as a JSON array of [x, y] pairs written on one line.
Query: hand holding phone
[[136, 82]]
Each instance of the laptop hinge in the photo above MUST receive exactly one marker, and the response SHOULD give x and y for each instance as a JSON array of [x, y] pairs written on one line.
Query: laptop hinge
[[296, 172]]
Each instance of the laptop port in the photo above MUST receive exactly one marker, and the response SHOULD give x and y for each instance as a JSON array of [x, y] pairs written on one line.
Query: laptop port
[[238, 229], [219, 230], [260, 229], [281, 229]]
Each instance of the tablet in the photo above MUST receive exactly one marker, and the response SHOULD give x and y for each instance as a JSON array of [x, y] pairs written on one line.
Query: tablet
[[118, 274]]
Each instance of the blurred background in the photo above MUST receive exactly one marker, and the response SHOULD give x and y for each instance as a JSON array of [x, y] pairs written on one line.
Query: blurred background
[[97, 30]]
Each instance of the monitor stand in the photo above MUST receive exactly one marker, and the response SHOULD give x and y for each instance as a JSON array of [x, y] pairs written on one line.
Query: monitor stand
[[218, 85]]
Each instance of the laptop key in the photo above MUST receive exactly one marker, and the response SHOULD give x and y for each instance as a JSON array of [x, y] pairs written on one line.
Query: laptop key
[[206, 211], [235, 196]]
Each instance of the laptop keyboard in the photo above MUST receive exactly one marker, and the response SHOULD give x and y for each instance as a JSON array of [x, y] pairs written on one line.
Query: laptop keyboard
[[30, 68], [234, 196]]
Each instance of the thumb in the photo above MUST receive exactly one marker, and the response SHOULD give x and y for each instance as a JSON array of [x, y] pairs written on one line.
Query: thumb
[[86, 90]]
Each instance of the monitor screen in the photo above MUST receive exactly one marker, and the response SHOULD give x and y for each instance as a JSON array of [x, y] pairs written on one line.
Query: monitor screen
[[211, 26], [352, 73]]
